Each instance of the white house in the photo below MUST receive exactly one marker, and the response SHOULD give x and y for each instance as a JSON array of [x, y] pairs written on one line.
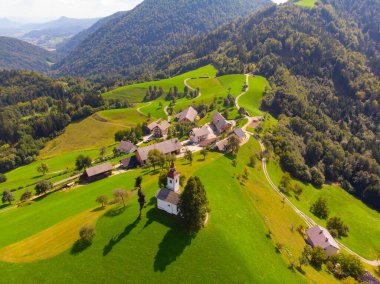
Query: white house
[[168, 198], [200, 134], [318, 236]]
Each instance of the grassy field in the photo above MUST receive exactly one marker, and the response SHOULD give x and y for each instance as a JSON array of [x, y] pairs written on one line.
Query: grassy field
[[154, 248], [135, 93], [307, 3], [93, 132], [251, 101], [363, 236]]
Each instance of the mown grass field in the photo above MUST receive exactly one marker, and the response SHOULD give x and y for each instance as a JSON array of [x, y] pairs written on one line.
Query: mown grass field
[[251, 101], [363, 237], [307, 3], [155, 248], [135, 93], [93, 132]]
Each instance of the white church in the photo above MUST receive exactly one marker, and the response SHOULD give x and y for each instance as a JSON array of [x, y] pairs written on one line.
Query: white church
[[168, 198]]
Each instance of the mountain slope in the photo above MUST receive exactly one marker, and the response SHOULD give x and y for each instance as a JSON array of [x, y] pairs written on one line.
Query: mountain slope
[[65, 47], [129, 44], [325, 85], [17, 54]]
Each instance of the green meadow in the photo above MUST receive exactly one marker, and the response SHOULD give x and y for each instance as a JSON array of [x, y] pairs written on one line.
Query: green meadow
[[154, 248], [361, 220], [306, 3]]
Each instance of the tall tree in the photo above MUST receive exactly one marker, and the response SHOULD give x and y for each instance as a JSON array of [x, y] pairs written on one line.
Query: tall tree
[[120, 195], [43, 186], [319, 208], [43, 169], [102, 199], [193, 205], [82, 162], [138, 182], [7, 197], [141, 201]]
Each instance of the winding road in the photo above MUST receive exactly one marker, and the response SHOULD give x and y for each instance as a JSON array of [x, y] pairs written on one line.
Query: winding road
[[309, 221]]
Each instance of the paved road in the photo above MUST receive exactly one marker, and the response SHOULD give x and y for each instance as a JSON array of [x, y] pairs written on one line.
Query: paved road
[[309, 221]]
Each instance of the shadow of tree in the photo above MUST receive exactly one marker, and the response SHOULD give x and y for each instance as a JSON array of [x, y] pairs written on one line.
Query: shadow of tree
[[79, 246], [42, 197], [115, 240], [152, 201], [4, 205], [101, 208], [171, 247], [115, 212]]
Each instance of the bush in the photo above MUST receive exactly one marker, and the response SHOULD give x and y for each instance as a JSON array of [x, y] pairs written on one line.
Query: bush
[[87, 234], [317, 257], [3, 178], [347, 265], [317, 177], [43, 186]]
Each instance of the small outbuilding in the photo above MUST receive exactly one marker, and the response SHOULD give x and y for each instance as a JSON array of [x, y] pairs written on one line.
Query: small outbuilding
[[222, 145], [129, 163], [98, 172], [318, 236], [240, 134]]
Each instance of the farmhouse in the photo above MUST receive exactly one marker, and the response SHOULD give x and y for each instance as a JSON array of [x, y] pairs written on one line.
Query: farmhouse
[[127, 147], [239, 133], [159, 128], [168, 198], [200, 134], [318, 236], [172, 146], [220, 123], [98, 172], [188, 115]]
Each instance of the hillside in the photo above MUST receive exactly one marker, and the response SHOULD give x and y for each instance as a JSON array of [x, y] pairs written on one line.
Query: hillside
[[322, 64], [131, 43], [17, 54]]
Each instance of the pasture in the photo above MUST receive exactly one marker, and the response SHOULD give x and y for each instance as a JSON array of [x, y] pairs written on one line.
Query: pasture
[[361, 220], [154, 248], [307, 3]]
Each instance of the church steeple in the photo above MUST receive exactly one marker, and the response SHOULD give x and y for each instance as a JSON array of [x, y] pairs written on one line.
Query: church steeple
[[173, 179]]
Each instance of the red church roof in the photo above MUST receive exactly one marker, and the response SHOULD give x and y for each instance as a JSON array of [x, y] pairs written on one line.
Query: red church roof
[[173, 172]]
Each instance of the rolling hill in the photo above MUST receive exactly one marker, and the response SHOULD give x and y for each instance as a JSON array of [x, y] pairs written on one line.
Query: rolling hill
[[323, 66], [20, 55], [130, 43]]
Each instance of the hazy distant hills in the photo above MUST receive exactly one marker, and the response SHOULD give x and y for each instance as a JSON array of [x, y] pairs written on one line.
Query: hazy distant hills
[[47, 35], [129, 43], [20, 55]]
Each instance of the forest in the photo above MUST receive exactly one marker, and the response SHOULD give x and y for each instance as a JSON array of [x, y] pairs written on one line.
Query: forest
[[322, 65], [34, 108]]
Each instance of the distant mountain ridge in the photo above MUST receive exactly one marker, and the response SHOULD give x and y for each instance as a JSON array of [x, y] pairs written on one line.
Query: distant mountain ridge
[[47, 35], [130, 43]]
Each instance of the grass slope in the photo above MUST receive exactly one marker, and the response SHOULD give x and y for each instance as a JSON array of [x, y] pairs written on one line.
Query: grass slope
[[251, 101], [363, 236], [307, 3], [155, 249], [135, 93], [93, 132]]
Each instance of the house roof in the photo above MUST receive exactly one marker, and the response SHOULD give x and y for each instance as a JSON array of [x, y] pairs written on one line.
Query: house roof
[[320, 237], [239, 133], [200, 131], [129, 162], [94, 171], [190, 114], [168, 196], [222, 144], [207, 142], [219, 121], [162, 124], [126, 146], [165, 147]]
